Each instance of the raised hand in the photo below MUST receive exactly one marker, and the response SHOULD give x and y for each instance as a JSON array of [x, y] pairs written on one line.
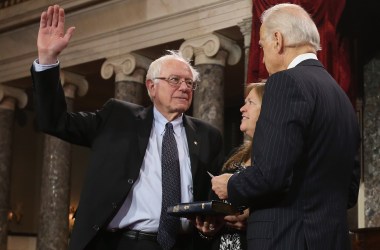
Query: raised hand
[[52, 39]]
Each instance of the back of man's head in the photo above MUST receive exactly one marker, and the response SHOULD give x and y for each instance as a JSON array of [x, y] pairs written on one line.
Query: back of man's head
[[294, 23]]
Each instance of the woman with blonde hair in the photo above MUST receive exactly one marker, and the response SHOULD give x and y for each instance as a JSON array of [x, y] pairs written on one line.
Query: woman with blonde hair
[[233, 235]]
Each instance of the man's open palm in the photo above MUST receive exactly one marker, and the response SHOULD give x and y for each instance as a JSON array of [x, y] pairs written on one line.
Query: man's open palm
[[52, 39]]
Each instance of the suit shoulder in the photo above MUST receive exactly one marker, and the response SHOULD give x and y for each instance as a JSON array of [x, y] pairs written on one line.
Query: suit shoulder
[[124, 106], [202, 125]]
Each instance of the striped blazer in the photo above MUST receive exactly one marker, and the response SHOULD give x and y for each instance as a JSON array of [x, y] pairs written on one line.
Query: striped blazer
[[304, 175]]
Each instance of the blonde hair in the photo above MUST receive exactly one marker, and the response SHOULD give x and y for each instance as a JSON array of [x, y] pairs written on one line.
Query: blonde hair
[[243, 153]]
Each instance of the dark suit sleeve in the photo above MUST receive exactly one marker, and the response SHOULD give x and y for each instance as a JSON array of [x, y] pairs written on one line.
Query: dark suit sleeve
[[354, 185], [277, 142], [51, 108], [217, 162]]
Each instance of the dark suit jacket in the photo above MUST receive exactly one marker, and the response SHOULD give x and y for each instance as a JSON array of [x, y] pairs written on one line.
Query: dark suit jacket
[[303, 176], [118, 135]]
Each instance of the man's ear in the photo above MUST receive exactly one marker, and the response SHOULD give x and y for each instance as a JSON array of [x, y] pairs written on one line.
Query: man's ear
[[149, 86], [148, 83], [279, 42]]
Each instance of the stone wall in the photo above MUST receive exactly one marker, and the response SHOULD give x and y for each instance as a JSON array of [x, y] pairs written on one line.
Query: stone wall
[[371, 141]]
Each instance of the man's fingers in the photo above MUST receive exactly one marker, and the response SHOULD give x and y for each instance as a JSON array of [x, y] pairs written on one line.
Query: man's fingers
[[61, 18], [49, 16], [43, 20], [56, 10]]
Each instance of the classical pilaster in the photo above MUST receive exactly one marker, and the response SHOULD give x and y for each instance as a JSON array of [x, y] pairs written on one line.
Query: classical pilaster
[[246, 29], [371, 142], [53, 230], [9, 98], [211, 53], [130, 70]]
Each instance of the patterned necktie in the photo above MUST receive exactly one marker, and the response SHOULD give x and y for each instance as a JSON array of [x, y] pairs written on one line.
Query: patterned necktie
[[171, 189]]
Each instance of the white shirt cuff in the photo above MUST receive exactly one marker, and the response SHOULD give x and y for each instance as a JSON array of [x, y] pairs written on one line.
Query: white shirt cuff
[[40, 67]]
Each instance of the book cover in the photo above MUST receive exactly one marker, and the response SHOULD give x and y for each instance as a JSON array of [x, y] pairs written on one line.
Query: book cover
[[202, 208]]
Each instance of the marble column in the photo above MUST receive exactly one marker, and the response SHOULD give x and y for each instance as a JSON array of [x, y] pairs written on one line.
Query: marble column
[[371, 142], [211, 53], [246, 29], [53, 230], [9, 98], [130, 71]]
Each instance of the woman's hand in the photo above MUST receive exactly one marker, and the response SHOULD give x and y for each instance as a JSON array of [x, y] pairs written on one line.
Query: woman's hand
[[238, 222], [209, 225]]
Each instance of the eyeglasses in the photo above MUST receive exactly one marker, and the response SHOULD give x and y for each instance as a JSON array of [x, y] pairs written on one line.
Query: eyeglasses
[[176, 81]]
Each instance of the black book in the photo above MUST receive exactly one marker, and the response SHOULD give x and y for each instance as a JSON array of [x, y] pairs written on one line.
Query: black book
[[203, 208]]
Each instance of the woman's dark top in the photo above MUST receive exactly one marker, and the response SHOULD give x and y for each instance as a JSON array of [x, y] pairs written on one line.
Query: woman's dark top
[[230, 238]]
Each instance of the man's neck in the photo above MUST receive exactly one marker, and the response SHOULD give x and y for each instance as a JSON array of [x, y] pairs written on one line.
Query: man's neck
[[169, 116], [293, 52]]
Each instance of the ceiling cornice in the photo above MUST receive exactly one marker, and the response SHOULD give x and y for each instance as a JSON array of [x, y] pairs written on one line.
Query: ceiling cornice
[[118, 27]]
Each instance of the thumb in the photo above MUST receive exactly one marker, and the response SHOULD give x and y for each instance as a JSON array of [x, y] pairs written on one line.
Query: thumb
[[69, 33]]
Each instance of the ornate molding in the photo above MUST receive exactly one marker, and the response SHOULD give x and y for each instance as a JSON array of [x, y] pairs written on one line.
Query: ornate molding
[[207, 48], [15, 94], [79, 81], [115, 36], [32, 11], [125, 67], [246, 29]]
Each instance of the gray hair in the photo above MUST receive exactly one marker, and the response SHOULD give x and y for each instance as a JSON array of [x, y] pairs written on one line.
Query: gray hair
[[155, 67], [294, 23]]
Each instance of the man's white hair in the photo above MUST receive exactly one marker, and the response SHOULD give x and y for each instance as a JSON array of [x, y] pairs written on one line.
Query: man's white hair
[[155, 67], [294, 23]]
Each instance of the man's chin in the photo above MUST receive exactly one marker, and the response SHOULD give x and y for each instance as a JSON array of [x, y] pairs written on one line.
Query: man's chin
[[181, 108]]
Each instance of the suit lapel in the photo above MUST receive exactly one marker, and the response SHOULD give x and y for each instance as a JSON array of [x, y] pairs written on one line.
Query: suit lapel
[[192, 142], [144, 127]]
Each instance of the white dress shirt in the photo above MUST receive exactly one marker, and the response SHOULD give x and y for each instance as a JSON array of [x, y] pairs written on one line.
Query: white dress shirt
[[142, 208]]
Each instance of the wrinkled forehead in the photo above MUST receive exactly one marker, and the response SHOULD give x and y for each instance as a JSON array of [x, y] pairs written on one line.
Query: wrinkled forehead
[[263, 33], [175, 67]]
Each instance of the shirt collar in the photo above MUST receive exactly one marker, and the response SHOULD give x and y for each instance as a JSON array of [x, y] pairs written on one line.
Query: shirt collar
[[160, 122], [302, 58]]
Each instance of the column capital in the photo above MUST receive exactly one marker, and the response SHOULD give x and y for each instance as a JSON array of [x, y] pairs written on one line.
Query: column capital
[[246, 29], [206, 50], [10, 95], [124, 66], [77, 80]]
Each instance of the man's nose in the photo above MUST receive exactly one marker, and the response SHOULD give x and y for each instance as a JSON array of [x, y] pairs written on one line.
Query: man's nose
[[183, 85]]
